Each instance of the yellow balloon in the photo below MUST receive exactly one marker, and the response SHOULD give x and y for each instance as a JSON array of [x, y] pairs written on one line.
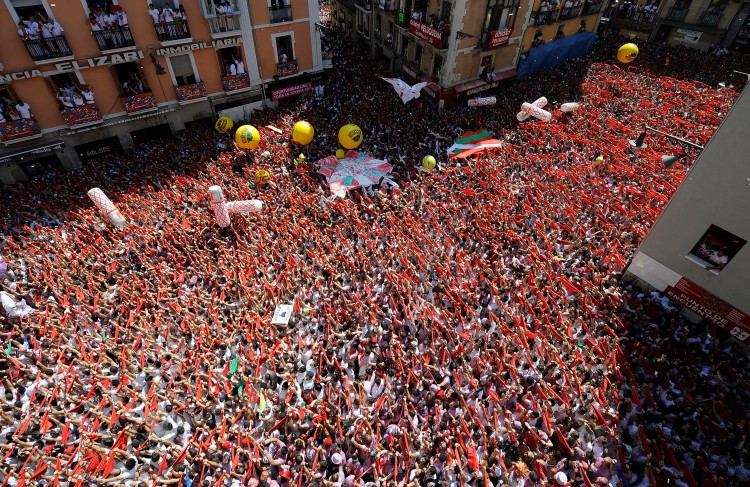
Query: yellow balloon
[[303, 133], [301, 158], [429, 162], [247, 137], [350, 136], [262, 177], [599, 160], [340, 153], [627, 53], [224, 124]]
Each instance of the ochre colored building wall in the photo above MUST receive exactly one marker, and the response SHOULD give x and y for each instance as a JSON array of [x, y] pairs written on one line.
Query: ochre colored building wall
[[302, 48]]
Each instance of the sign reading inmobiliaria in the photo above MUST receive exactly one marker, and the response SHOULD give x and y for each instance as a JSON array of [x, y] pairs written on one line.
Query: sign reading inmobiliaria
[[426, 32], [290, 91], [702, 302], [499, 38]]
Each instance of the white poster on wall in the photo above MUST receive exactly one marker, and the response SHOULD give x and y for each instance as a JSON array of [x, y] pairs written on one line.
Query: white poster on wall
[[687, 36]]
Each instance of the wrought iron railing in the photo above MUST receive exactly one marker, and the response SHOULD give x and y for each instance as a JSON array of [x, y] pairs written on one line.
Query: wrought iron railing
[[711, 19], [545, 17], [48, 48], [172, 31], [114, 38], [678, 14]]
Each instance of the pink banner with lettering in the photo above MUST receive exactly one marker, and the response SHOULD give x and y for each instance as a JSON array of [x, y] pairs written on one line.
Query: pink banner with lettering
[[290, 91]]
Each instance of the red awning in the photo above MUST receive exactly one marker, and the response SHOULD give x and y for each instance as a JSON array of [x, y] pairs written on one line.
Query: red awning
[[479, 84]]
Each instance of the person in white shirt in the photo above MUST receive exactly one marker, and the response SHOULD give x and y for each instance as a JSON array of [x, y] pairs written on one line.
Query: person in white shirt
[[56, 28], [88, 96], [239, 66], [231, 69], [122, 18], [24, 109], [154, 13], [168, 14]]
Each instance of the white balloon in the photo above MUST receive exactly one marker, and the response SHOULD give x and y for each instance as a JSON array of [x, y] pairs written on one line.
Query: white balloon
[[245, 207], [219, 208], [482, 102], [529, 109], [569, 107], [106, 207]]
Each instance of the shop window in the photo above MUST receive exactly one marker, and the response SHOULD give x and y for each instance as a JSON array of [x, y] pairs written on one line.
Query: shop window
[[182, 70], [715, 249]]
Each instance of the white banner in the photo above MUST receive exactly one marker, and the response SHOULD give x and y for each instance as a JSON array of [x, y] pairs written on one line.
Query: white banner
[[282, 314]]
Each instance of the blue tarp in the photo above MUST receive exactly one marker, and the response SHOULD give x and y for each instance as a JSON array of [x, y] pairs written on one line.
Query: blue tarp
[[554, 53]]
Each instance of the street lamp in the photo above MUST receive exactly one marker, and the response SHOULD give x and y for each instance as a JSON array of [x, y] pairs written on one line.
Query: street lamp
[[668, 160]]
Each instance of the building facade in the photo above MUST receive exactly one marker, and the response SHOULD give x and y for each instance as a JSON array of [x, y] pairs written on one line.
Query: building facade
[[697, 251], [83, 78], [463, 47], [701, 24]]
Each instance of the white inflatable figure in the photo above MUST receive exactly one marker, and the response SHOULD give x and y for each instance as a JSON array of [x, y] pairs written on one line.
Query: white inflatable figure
[[15, 309], [534, 110], [406, 92], [106, 207], [482, 102], [244, 207], [569, 107], [219, 207]]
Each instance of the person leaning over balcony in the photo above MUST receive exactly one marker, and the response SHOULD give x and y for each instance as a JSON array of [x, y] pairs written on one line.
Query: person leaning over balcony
[[24, 110], [168, 14]]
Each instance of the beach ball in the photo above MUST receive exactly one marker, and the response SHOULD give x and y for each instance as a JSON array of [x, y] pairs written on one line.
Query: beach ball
[[303, 133], [340, 153], [247, 137], [599, 160], [627, 53], [429, 162], [350, 136], [224, 124], [262, 177]]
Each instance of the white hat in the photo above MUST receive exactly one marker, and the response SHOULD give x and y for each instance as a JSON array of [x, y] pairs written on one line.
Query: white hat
[[336, 458], [561, 478]]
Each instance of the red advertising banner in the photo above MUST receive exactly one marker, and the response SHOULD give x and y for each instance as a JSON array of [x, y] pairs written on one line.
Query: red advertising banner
[[426, 33], [290, 91], [499, 38], [702, 302]]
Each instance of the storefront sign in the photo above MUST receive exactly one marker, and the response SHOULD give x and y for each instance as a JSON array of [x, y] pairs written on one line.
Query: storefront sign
[[288, 91], [702, 302], [42, 149], [194, 46], [99, 150], [499, 38], [688, 36], [426, 33]]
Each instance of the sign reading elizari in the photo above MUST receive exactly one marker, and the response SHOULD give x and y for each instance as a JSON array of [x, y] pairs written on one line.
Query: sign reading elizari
[[117, 58]]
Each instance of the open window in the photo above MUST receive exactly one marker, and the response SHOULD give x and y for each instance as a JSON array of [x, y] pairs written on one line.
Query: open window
[[16, 119], [41, 33], [75, 99], [230, 59], [222, 15], [715, 249], [182, 70], [130, 80]]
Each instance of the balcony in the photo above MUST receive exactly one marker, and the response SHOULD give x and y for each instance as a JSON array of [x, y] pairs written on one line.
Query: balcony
[[568, 13], [172, 31], [219, 20], [190, 92], [19, 129], [114, 38], [678, 14], [138, 103], [390, 6], [82, 115], [287, 69], [235, 82], [545, 18], [711, 19], [592, 8], [280, 13], [635, 13], [48, 48], [428, 33], [364, 4]]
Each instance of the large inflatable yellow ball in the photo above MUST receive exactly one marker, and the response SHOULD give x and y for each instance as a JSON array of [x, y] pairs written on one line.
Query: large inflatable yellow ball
[[627, 53], [429, 162], [340, 153], [303, 133], [262, 177], [224, 124], [350, 136], [247, 137]]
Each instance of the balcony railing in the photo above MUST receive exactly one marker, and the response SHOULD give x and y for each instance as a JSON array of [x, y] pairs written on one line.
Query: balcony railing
[[140, 102], [82, 114], [48, 48], [235, 82], [114, 38], [190, 92], [287, 69], [710, 19], [634, 13], [282, 13], [545, 18], [568, 13], [592, 8], [678, 14], [219, 20], [172, 31], [19, 129]]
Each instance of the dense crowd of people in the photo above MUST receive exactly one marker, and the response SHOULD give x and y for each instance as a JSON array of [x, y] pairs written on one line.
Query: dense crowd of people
[[467, 328]]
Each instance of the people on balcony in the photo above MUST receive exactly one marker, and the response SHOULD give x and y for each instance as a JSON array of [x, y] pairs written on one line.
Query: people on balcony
[[238, 65], [133, 85]]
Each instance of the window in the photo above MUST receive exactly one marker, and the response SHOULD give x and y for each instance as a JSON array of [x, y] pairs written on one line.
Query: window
[[8, 102], [182, 69], [501, 15], [230, 60], [280, 10], [715, 249], [28, 10], [130, 80], [285, 49], [418, 54]]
